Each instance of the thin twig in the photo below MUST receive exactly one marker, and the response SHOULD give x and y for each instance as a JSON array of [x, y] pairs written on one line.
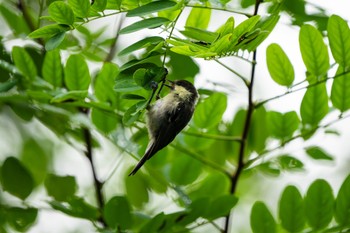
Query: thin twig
[[262, 154], [214, 136], [166, 51], [243, 142], [202, 159], [246, 82], [113, 46], [290, 91]]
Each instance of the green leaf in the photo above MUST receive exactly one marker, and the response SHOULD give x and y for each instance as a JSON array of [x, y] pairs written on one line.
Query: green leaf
[[214, 185], [69, 96], [200, 34], [16, 179], [280, 67], [21, 219], [259, 131], [99, 5], [77, 207], [177, 62], [134, 112], [339, 40], [33, 156], [319, 202], [262, 30], [55, 41], [144, 43], [117, 213], [241, 31], [76, 73], [24, 62], [209, 112], [261, 219], [104, 83], [132, 97], [184, 170], [146, 23], [14, 19], [340, 94], [198, 18], [151, 8], [106, 122], [342, 204], [61, 13], [316, 152], [154, 224], [48, 31], [220, 207], [314, 106], [291, 210], [145, 77], [126, 85], [136, 190], [80, 7], [290, 163], [52, 69], [282, 126], [61, 188], [313, 50]]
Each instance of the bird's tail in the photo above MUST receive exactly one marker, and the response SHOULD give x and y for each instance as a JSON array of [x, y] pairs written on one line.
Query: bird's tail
[[149, 153]]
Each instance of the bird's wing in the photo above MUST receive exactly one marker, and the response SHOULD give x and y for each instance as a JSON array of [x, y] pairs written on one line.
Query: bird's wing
[[167, 132]]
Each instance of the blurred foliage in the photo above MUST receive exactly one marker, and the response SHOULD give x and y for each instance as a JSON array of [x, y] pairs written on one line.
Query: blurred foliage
[[72, 78]]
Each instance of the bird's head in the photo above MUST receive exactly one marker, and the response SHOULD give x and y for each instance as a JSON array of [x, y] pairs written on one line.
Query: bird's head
[[184, 90]]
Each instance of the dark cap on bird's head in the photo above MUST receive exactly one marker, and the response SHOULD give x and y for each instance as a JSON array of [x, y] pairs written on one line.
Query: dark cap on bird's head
[[187, 86]]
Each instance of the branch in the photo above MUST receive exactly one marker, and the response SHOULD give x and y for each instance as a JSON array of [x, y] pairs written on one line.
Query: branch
[[166, 51], [98, 185], [246, 82], [261, 155], [290, 91], [214, 136], [24, 9], [113, 46], [201, 159], [243, 142]]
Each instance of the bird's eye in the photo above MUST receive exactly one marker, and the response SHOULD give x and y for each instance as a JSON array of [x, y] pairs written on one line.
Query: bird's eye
[[153, 85]]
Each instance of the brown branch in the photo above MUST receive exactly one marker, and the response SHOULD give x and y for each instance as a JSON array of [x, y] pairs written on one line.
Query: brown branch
[[243, 142], [97, 184]]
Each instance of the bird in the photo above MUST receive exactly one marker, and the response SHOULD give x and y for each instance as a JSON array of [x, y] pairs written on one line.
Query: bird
[[167, 117]]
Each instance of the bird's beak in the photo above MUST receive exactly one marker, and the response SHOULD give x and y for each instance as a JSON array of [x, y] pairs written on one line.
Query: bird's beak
[[172, 84]]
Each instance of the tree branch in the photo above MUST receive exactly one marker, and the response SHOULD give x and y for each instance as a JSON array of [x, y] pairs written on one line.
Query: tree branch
[[97, 184], [290, 91], [113, 46], [243, 142]]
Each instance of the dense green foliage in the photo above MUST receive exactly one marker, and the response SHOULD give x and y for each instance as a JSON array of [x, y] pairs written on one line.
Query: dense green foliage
[[71, 79]]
